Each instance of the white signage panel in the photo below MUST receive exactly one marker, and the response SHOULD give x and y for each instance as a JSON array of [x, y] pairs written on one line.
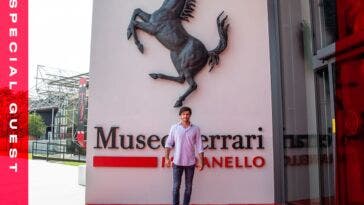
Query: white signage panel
[[130, 113]]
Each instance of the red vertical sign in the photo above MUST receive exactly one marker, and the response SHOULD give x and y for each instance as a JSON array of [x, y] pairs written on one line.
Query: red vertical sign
[[14, 102], [80, 136], [349, 102]]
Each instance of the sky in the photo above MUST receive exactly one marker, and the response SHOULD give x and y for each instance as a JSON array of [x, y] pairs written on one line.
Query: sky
[[59, 35]]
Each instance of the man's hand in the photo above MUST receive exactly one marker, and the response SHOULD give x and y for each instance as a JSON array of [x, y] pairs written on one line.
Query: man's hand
[[200, 161], [168, 162], [200, 165], [166, 157]]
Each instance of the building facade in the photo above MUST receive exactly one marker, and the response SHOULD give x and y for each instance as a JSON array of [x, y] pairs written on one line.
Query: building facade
[[321, 66], [291, 78]]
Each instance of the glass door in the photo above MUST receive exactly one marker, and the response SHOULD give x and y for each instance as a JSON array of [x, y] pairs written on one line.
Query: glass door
[[324, 79]]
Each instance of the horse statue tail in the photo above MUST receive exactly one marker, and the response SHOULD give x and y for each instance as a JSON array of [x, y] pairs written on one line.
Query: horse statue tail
[[223, 33]]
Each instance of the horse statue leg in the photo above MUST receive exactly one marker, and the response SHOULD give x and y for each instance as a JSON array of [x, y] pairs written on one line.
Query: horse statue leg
[[193, 86], [132, 30], [179, 79]]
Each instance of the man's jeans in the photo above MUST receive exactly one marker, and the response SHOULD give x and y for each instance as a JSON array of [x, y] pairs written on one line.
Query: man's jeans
[[177, 176]]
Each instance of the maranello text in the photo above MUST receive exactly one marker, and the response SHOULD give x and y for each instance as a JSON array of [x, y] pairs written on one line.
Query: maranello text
[[211, 143]]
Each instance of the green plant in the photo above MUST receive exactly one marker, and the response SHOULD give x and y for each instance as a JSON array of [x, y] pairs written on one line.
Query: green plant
[[37, 126]]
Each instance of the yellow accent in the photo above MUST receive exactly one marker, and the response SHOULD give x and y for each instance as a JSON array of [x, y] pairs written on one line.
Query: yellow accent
[[333, 126]]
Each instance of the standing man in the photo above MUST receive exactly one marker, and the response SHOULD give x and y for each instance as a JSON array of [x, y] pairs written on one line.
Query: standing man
[[186, 140]]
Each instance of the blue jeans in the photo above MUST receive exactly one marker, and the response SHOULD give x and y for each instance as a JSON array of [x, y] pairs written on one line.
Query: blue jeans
[[177, 176]]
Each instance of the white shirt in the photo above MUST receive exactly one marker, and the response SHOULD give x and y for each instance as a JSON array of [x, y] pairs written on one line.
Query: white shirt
[[185, 141]]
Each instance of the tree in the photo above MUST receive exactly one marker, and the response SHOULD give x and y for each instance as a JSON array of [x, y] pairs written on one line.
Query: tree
[[37, 126]]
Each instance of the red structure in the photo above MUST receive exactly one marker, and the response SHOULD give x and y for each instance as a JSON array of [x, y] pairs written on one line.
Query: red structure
[[349, 102]]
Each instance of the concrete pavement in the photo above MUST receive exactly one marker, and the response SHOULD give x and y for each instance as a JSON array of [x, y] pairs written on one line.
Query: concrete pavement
[[54, 184]]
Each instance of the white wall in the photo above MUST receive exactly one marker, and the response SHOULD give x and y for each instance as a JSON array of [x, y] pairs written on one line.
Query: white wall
[[235, 98]]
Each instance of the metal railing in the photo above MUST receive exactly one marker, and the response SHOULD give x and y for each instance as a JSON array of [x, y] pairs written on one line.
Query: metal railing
[[57, 151]]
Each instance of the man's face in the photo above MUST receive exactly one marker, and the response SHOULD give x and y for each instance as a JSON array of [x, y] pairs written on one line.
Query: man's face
[[185, 116]]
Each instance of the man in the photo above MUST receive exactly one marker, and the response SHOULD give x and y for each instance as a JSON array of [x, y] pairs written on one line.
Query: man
[[185, 138]]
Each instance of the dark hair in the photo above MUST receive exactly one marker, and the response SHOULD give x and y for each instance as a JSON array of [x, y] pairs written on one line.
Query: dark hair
[[183, 109]]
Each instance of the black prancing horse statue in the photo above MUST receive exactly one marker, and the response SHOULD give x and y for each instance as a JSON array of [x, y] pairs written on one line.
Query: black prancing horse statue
[[188, 54]]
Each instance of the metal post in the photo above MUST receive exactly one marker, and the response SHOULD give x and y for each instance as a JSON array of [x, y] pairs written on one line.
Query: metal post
[[60, 114], [277, 104], [73, 117], [331, 69], [47, 151], [52, 125], [79, 154], [32, 149]]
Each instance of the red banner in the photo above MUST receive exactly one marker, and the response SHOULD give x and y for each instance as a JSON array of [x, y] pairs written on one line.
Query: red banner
[[80, 136], [104, 161], [349, 102], [14, 102]]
